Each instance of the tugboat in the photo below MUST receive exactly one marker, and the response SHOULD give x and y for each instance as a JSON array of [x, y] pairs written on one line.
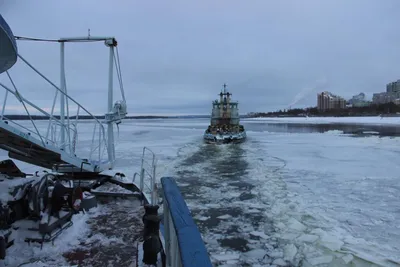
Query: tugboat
[[225, 123]]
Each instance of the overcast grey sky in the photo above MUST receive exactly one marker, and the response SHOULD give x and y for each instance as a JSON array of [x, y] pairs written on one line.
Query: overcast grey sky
[[175, 55]]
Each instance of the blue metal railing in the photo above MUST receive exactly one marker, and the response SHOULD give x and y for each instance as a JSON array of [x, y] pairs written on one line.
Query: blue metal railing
[[183, 243]]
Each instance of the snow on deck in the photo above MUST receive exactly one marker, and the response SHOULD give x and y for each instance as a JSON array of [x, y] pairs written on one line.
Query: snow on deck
[[112, 188], [7, 186], [113, 237], [104, 236]]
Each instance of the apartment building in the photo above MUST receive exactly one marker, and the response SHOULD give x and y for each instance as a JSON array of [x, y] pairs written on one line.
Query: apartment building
[[327, 100], [392, 94]]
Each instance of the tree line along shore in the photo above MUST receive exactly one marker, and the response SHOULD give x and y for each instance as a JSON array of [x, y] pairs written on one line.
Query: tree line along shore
[[388, 109]]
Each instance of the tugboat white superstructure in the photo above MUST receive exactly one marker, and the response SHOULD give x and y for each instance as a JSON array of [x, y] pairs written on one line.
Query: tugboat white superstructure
[[225, 122]]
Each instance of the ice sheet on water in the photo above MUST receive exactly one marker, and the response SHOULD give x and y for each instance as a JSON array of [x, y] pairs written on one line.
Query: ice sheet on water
[[297, 180], [297, 216]]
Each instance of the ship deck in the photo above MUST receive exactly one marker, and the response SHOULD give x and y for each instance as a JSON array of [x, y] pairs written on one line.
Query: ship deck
[[113, 237], [110, 234]]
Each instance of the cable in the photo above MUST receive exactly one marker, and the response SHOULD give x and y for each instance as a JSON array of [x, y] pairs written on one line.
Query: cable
[[120, 73], [34, 39]]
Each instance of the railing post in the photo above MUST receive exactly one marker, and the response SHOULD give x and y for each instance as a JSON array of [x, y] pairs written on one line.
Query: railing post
[[62, 98], [110, 129], [152, 243], [167, 234], [153, 184], [142, 180], [99, 144], [4, 105]]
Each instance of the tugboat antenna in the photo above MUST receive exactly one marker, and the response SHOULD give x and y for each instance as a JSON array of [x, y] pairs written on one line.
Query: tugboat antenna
[[224, 88]]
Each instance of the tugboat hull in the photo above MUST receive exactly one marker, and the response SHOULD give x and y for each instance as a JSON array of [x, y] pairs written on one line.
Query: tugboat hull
[[227, 138]]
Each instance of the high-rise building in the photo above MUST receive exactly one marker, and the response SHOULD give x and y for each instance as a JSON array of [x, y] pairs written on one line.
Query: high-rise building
[[392, 94], [393, 87], [327, 100], [358, 100]]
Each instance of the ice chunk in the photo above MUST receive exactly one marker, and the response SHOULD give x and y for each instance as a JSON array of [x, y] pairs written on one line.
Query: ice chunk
[[289, 236], [307, 238], [256, 253], [253, 211], [279, 262], [348, 258], [289, 252], [318, 231], [280, 225], [202, 218], [331, 242], [275, 254], [296, 225], [226, 257], [210, 206], [320, 260], [224, 217], [229, 264], [259, 234]]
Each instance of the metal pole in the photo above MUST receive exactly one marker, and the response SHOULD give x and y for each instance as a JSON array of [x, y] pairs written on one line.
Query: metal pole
[[167, 233], [4, 105], [62, 97], [111, 152], [153, 183], [51, 115]]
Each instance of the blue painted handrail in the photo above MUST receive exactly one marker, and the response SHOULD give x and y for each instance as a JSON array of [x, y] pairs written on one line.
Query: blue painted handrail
[[191, 246]]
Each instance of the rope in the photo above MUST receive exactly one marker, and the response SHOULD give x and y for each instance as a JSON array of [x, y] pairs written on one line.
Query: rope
[[120, 74], [35, 39]]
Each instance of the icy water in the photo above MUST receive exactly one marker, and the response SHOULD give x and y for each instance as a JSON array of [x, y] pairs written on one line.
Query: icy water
[[291, 195]]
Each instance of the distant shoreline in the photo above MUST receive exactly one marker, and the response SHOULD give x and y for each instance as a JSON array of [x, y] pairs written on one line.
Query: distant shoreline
[[382, 110], [322, 116]]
